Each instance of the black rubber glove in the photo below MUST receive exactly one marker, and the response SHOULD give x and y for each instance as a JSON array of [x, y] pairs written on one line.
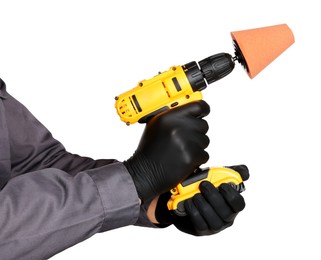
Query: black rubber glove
[[208, 212], [171, 148]]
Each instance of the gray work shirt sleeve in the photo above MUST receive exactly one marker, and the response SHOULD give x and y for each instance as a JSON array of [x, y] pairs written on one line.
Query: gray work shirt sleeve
[[51, 199], [46, 211]]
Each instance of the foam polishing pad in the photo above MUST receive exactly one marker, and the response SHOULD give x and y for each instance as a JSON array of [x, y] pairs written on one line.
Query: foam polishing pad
[[260, 46]]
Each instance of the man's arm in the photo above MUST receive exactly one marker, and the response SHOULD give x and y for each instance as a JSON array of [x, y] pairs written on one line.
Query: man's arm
[[47, 211], [51, 196], [32, 146]]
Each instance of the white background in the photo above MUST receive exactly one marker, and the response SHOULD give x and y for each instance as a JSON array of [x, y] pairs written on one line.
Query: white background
[[67, 60]]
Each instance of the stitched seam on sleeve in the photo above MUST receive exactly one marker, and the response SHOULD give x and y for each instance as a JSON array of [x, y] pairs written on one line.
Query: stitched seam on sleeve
[[101, 201]]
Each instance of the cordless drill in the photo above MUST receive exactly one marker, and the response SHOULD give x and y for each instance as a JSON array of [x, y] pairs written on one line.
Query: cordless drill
[[175, 87], [254, 49]]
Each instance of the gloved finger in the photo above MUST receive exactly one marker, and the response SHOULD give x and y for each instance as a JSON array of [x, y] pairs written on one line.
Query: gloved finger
[[200, 157], [200, 140], [195, 216], [214, 222], [242, 170], [194, 148], [232, 197], [197, 109], [217, 201], [200, 125]]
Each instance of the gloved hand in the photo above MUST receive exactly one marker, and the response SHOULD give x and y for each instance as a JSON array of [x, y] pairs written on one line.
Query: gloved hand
[[171, 148], [208, 212]]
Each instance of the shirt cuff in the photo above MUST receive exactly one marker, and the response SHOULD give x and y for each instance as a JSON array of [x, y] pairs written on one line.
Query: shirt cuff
[[118, 195]]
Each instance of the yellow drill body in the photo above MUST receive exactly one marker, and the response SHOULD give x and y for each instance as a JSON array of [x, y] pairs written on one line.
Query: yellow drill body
[[164, 91]]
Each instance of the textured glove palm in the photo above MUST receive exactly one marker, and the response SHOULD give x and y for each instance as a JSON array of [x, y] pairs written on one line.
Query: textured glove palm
[[171, 148]]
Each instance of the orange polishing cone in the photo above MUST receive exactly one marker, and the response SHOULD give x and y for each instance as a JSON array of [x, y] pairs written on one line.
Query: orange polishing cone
[[260, 46]]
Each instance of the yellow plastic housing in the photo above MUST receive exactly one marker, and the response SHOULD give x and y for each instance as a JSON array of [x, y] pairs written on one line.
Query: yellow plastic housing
[[164, 91], [216, 176]]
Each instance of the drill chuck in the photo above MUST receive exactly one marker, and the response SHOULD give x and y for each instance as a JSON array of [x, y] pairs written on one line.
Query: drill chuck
[[209, 70], [216, 67]]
